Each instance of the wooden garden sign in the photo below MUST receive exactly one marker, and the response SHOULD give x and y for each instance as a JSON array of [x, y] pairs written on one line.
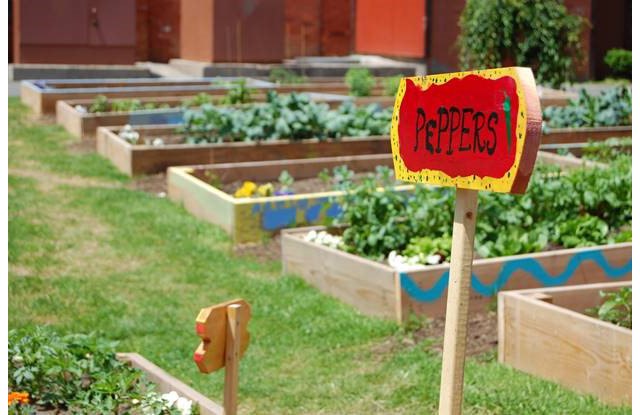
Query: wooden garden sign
[[223, 330], [477, 130]]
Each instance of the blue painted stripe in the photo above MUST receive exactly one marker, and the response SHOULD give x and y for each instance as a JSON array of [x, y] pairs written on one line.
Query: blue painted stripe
[[529, 265]]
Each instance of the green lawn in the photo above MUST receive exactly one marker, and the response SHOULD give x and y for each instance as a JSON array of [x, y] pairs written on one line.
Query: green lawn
[[87, 253]]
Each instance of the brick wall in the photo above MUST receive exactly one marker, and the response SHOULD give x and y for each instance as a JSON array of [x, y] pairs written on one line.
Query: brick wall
[[337, 27]]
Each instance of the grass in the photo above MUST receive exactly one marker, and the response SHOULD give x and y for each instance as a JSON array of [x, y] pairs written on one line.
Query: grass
[[87, 253]]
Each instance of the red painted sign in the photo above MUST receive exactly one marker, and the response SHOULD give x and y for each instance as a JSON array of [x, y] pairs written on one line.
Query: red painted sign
[[467, 129]]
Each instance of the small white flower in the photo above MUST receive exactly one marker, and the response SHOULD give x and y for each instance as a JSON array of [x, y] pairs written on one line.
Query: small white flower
[[127, 127], [184, 406], [135, 401], [162, 194], [433, 259], [157, 142], [170, 398], [311, 236], [80, 109]]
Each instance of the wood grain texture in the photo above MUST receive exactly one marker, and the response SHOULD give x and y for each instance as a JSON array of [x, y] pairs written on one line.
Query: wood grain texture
[[147, 159], [583, 135], [200, 199], [167, 383], [315, 263], [455, 330], [363, 284], [232, 358], [487, 270], [212, 328], [567, 162], [565, 346], [533, 130]]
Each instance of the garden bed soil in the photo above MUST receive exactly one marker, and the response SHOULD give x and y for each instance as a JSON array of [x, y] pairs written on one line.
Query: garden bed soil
[[545, 332], [378, 289], [147, 159]]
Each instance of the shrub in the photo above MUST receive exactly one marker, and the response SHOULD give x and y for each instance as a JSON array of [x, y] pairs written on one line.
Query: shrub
[[391, 84], [619, 60], [540, 34], [360, 81]]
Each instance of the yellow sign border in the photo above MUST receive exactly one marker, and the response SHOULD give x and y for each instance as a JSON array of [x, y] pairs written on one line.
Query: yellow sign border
[[436, 177]]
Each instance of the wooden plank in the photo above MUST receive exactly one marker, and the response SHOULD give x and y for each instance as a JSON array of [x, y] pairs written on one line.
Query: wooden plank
[[146, 159], [232, 360], [363, 284], [567, 162], [455, 329], [200, 199], [583, 135], [167, 383], [577, 351], [424, 290], [262, 171], [112, 147]]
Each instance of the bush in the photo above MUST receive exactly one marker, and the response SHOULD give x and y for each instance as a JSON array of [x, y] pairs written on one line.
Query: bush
[[391, 84], [619, 60], [539, 34], [360, 81]]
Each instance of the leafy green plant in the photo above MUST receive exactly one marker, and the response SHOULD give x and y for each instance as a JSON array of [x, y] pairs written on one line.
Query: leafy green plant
[[100, 104], [605, 151], [325, 177], [616, 307], [611, 107], [286, 181], [126, 105], [76, 373], [198, 100], [360, 81], [619, 60], [285, 76], [542, 35], [239, 93], [342, 177], [426, 245], [578, 208], [291, 116], [391, 84]]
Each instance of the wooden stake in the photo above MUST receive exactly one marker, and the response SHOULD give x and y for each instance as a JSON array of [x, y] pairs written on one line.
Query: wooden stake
[[232, 351], [455, 329]]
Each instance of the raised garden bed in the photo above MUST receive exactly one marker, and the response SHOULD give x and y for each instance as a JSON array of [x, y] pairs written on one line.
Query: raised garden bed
[[84, 124], [41, 95], [50, 372], [167, 383], [252, 219], [378, 289], [207, 191], [546, 333], [147, 159], [389, 256]]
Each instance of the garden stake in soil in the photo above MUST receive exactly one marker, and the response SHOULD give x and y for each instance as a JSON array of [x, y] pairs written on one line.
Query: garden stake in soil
[[477, 130], [223, 330]]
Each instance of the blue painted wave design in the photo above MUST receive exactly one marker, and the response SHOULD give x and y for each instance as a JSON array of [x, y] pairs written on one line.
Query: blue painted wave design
[[281, 214], [529, 265]]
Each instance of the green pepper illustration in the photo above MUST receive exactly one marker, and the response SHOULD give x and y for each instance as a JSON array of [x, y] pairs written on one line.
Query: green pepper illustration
[[506, 106]]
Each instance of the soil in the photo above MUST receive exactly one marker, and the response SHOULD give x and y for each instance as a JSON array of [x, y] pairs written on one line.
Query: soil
[[301, 186], [261, 251], [482, 336], [155, 184]]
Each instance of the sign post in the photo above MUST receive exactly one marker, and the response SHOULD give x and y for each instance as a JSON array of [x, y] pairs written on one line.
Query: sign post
[[223, 330], [477, 130]]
